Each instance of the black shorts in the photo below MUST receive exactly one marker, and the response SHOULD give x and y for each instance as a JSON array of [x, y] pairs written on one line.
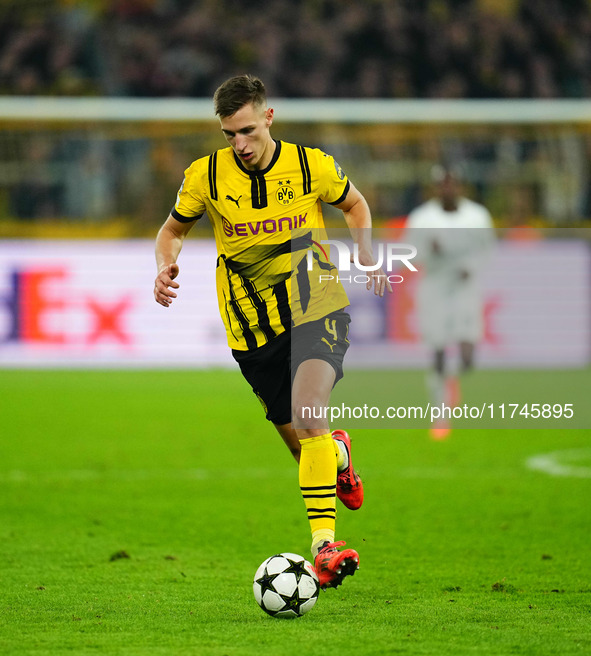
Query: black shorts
[[270, 369]]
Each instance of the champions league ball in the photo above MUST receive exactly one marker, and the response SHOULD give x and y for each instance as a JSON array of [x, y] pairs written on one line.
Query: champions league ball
[[286, 586]]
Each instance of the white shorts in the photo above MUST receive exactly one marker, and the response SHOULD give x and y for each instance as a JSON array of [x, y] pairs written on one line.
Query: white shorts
[[449, 313]]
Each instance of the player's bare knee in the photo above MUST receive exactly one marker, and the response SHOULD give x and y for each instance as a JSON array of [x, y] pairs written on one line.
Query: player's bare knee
[[467, 356], [439, 361], [467, 365], [309, 411]]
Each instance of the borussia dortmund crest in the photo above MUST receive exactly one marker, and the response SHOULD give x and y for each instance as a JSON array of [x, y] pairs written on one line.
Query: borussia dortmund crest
[[285, 195]]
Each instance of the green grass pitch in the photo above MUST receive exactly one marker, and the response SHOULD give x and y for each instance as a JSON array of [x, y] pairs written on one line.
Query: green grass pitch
[[136, 506]]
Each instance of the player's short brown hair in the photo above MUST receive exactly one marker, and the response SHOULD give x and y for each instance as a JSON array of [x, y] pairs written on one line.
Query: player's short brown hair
[[236, 92]]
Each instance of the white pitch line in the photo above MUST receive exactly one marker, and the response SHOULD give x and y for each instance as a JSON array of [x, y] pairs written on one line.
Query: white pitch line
[[132, 475], [20, 476], [558, 463]]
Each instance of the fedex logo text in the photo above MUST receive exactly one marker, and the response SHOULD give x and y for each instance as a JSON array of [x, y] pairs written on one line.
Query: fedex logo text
[[38, 306]]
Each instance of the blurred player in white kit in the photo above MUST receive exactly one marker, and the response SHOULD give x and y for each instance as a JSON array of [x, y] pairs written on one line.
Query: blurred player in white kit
[[453, 236]]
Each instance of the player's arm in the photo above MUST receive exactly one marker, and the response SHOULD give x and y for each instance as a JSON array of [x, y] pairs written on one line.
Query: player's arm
[[169, 243], [358, 217], [482, 239]]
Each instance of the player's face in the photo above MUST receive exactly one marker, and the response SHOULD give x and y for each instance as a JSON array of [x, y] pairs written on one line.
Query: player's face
[[448, 190], [247, 131]]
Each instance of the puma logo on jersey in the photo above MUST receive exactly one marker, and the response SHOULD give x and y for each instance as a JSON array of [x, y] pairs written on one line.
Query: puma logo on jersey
[[234, 200], [330, 346]]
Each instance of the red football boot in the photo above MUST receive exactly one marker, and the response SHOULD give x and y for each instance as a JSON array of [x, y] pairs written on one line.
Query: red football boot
[[349, 485], [332, 566], [440, 430]]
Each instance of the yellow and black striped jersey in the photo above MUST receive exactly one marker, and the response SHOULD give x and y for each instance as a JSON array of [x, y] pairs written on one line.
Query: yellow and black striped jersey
[[265, 223]]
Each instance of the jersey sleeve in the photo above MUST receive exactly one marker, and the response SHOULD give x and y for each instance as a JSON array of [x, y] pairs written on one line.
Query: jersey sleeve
[[189, 204], [333, 183], [487, 236], [475, 243], [417, 233]]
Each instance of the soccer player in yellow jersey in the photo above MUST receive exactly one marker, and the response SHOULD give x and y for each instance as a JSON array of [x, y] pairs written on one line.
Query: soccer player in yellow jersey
[[285, 322]]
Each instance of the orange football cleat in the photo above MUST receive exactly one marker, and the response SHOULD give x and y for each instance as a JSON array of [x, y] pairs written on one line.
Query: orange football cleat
[[349, 485], [332, 565], [440, 430]]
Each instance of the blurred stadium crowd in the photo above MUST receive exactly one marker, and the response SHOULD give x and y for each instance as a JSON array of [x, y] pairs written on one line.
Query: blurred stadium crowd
[[301, 48], [377, 48]]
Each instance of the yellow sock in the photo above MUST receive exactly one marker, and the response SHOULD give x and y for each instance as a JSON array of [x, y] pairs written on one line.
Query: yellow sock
[[340, 453], [318, 478]]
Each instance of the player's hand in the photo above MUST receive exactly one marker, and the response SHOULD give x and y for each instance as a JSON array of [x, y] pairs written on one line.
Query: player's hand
[[377, 278], [164, 280], [379, 281]]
